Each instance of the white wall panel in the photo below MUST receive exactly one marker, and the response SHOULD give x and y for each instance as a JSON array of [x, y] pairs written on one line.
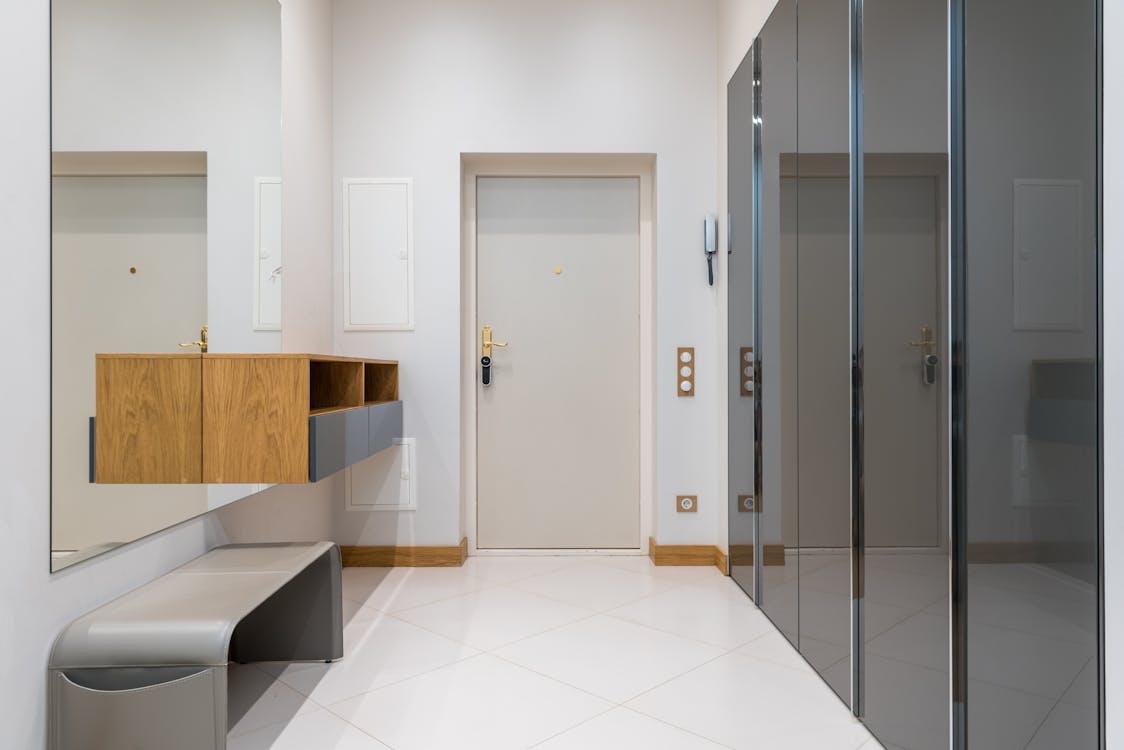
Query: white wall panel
[[378, 255]]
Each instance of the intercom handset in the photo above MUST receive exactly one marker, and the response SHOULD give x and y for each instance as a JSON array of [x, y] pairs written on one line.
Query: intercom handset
[[710, 245]]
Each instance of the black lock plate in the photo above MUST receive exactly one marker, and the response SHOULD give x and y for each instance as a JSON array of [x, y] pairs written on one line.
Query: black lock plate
[[486, 370]]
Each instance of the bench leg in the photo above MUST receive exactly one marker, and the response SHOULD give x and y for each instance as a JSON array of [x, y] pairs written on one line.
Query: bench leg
[[303, 621]]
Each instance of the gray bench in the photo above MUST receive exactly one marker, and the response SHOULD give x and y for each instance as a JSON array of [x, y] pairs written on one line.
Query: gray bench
[[148, 670]]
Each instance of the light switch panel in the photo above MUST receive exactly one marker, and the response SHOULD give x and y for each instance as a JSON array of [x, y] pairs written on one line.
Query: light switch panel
[[685, 371]]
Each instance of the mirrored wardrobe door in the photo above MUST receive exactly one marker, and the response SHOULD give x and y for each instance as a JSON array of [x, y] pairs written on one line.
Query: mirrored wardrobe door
[[903, 262], [740, 332], [1030, 327], [821, 307], [778, 551]]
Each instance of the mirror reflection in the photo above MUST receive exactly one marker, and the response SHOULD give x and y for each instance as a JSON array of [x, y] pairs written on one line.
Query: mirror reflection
[[166, 170]]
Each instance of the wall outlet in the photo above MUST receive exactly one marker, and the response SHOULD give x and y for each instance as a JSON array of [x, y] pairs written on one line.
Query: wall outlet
[[747, 504], [686, 503]]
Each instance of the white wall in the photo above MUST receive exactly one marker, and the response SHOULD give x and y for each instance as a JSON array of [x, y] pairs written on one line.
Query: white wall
[[301, 512], [417, 84], [306, 110], [739, 21], [1113, 280], [34, 605], [138, 74]]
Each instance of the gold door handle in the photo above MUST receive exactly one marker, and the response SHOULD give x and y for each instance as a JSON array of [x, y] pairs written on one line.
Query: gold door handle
[[486, 342], [202, 343]]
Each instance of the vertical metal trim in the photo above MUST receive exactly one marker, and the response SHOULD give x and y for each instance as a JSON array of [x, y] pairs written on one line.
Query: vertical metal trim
[[51, 286], [758, 417], [857, 415], [957, 515], [1098, 21]]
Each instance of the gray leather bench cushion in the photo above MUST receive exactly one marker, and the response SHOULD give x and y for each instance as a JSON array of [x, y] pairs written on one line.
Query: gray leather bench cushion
[[186, 617]]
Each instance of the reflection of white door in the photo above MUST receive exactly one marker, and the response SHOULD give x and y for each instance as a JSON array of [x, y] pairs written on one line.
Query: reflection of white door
[[903, 486], [558, 428], [902, 414]]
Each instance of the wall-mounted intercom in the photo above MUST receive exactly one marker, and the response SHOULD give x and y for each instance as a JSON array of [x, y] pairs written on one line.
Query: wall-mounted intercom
[[710, 245]]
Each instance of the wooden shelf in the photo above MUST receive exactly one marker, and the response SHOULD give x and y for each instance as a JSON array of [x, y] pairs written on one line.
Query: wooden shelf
[[240, 418]]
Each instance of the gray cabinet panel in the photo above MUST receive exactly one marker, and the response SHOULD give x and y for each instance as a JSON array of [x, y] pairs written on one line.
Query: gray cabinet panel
[[384, 425], [327, 444], [341, 438]]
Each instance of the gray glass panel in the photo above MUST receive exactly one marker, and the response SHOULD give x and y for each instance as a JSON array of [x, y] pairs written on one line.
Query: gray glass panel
[[820, 305], [740, 336], [777, 522], [1031, 372], [905, 659]]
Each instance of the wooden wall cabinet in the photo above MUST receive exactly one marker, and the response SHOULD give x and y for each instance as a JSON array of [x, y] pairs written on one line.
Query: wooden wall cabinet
[[240, 418]]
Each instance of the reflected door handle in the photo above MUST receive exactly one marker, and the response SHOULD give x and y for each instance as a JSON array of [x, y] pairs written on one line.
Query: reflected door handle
[[927, 343], [929, 369], [201, 343]]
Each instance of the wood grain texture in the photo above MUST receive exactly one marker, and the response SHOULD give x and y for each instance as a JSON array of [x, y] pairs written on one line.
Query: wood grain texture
[[686, 554], [149, 426], [406, 557], [380, 381], [255, 420], [334, 384], [721, 561], [742, 554], [1030, 552]]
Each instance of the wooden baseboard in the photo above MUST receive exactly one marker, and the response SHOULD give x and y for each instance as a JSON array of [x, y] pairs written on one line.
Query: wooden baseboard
[[687, 554], [1030, 552], [721, 561], [405, 557], [742, 554]]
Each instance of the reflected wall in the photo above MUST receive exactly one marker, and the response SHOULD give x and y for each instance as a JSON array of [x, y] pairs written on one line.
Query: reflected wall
[[1030, 330], [166, 163]]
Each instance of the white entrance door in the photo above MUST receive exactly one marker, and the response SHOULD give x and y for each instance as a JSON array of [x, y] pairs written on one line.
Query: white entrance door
[[558, 427]]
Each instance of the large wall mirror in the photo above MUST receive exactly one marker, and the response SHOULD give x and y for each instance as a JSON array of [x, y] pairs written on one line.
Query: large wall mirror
[[166, 217]]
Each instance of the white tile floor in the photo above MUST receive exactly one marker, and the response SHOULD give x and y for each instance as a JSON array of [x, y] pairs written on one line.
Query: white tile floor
[[556, 653]]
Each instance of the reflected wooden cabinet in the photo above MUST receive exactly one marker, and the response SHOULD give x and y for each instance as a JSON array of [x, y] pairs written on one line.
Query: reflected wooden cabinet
[[239, 418]]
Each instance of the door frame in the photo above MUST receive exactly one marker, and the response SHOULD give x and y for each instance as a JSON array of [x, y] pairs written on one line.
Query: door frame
[[640, 166]]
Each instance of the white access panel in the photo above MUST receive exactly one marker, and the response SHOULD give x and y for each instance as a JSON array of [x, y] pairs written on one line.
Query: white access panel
[[378, 255], [1047, 255], [267, 254], [385, 481]]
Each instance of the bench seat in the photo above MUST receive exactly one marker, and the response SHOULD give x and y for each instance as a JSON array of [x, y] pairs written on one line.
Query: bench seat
[[149, 668]]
